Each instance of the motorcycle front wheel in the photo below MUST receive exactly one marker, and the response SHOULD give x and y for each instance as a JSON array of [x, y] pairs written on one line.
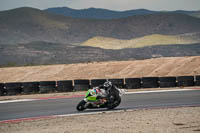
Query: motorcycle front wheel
[[81, 106]]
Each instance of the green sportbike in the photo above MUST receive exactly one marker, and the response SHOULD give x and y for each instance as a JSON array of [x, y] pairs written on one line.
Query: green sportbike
[[111, 101]]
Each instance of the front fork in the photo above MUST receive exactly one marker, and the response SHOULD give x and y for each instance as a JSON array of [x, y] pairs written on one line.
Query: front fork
[[87, 103]]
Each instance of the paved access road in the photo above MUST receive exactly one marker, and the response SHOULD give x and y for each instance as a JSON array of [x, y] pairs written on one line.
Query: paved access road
[[38, 108]]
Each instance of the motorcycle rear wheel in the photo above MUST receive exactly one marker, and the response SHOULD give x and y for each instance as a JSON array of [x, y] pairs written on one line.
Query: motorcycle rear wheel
[[115, 103]]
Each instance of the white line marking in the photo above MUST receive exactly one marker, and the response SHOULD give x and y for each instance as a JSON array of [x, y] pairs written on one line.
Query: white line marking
[[77, 114], [14, 101], [89, 113], [123, 110], [141, 92]]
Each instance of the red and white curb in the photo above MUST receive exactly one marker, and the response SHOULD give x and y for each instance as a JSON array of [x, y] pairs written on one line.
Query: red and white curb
[[40, 98]]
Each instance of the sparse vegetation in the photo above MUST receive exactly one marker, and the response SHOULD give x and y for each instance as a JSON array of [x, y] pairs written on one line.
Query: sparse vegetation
[[9, 64], [39, 53]]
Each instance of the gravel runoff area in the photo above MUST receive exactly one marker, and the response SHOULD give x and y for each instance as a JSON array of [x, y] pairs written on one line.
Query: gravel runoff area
[[167, 120]]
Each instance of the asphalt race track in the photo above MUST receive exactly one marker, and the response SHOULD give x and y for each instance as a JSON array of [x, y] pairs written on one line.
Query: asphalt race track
[[17, 110]]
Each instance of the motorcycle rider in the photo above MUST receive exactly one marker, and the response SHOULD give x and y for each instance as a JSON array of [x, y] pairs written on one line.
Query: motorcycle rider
[[105, 96], [99, 94]]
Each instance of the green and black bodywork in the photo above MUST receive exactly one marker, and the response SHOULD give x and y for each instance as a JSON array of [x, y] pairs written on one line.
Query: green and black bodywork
[[113, 99]]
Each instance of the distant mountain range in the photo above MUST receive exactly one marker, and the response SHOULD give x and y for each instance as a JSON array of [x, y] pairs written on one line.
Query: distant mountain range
[[30, 36], [24, 25], [98, 13]]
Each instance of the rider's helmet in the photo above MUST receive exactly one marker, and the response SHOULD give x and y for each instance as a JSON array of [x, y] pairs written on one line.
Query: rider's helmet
[[107, 84]]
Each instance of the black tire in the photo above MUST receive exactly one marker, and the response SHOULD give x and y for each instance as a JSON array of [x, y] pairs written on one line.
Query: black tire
[[150, 82], [133, 83], [81, 106], [197, 83], [2, 89], [185, 78], [13, 88], [47, 89], [47, 86], [198, 78], [81, 82], [81, 87], [150, 79], [64, 86], [185, 81], [116, 101], [150, 85], [167, 82], [97, 82], [30, 87], [48, 83], [167, 79], [118, 82]]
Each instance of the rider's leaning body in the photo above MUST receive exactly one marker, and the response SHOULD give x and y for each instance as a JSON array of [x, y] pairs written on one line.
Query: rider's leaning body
[[97, 94]]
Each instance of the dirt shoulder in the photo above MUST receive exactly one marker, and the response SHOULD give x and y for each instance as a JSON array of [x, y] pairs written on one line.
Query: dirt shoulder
[[170, 120]]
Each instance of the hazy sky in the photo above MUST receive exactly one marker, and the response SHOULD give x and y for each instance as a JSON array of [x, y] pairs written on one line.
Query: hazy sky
[[108, 4]]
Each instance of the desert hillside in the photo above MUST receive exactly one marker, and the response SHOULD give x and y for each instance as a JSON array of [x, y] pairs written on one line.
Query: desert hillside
[[149, 40], [37, 37], [173, 66], [24, 25], [43, 53]]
